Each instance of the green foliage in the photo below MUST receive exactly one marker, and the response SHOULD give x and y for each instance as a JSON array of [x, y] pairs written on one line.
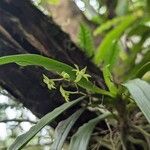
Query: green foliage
[[124, 55], [144, 69], [140, 91], [54, 66], [139, 69], [81, 139], [105, 51], [25, 138], [108, 24], [63, 129], [109, 80], [86, 40]]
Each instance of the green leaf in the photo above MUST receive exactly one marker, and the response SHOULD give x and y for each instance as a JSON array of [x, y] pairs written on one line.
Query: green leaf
[[140, 91], [107, 25], [23, 139], [111, 58], [96, 19], [139, 29], [109, 80], [86, 40], [146, 77], [116, 48], [133, 72], [54, 66], [145, 68], [63, 129], [80, 140], [105, 49], [148, 6]]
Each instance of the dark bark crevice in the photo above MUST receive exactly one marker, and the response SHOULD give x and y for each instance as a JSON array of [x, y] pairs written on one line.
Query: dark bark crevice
[[24, 29]]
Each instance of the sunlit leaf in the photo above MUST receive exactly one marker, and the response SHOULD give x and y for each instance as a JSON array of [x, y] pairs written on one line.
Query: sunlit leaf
[[108, 24], [105, 48]]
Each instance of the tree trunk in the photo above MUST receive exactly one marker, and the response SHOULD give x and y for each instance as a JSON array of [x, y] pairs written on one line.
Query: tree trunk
[[68, 16], [24, 29]]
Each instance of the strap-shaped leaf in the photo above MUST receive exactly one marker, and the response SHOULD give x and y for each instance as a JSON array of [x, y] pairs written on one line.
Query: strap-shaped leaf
[[145, 68], [63, 129], [25, 138], [107, 25], [52, 65], [134, 71], [81, 139], [140, 91], [105, 50]]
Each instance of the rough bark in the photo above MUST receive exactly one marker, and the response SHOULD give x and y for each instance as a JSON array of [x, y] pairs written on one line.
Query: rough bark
[[24, 29]]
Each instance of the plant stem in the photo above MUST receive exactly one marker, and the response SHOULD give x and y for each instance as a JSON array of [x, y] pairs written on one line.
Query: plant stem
[[123, 121]]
